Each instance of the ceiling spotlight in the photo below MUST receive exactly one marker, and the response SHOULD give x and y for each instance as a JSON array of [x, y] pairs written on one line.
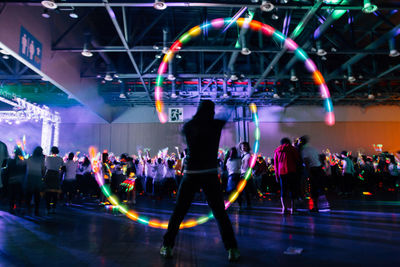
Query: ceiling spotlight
[[171, 77], [73, 14], [178, 56], [293, 76], [159, 5], [173, 95], [392, 48], [225, 95], [108, 77], [276, 96], [155, 47], [158, 56], [116, 75], [274, 16], [394, 53], [351, 79], [371, 96], [233, 77], [122, 95], [245, 51], [320, 51], [165, 50], [6, 56], [50, 4], [333, 49], [324, 58], [45, 13], [86, 52], [350, 76], [266, 6], [369, 7]]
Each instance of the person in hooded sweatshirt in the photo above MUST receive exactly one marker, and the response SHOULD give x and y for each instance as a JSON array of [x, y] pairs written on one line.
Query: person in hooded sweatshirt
[[286, 162]]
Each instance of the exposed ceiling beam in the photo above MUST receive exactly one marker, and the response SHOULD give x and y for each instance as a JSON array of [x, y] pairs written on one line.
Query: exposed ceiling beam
[[371, 81], [211, 49], [375, 44], [231, 4], [296, 32], [124, 42]]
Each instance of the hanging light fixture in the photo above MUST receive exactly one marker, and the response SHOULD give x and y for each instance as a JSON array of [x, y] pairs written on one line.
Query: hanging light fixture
[[369, 7], [45, 13], [393, 52], [350, 76], [159, 5], [50, 4], [73, 14], [274, 16], [86, 52], [108, 77], [320, 51], [293, 76], [266, 6]]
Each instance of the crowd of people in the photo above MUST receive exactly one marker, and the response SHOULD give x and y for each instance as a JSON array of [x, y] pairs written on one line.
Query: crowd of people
[[296, 171]]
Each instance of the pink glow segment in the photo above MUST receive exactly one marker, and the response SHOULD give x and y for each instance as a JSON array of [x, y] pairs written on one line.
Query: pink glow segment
[[217, 23], [158, 93], [163, 68], [324, 91], [330, 118], [290, 44], [253, 161], [310, 65], [267, 30]]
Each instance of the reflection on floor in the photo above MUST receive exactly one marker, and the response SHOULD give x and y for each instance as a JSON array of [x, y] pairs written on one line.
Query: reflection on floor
[[353, 233]]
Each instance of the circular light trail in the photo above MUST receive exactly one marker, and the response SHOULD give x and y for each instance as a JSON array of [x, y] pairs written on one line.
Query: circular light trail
[[255, 26], [135, 216]]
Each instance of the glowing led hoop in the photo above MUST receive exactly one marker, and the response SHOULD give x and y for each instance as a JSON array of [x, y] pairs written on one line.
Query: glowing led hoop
[[133, 215], [256, 26]]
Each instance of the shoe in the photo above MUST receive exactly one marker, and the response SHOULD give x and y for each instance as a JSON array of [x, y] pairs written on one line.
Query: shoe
[[166, 252], [233, 254]]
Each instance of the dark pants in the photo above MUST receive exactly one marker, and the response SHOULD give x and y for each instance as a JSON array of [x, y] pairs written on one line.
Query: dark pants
[[191, 183], [247, 192], [36, 198], [15, 195], [51, 197], [69, 188], [317, 177], [290, 185]]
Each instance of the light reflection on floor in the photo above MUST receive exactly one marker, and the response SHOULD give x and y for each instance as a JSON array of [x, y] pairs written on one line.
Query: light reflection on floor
[[353, 232]]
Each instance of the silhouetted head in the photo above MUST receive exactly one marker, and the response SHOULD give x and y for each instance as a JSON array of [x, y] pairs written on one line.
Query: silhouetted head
[[205, 110], [244, 146], [71, 156], [54, 150], [304, 140], [37, 152], [285, 141]]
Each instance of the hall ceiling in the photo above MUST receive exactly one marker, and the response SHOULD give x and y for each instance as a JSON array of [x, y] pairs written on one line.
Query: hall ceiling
[[356, 46]]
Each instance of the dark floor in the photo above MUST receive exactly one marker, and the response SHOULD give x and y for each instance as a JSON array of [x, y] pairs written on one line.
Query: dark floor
[[355, 232]]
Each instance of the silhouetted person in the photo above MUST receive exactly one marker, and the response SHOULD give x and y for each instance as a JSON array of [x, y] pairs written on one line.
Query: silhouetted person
[[202, 134], [287, 160], [34, 178], [15, 174]]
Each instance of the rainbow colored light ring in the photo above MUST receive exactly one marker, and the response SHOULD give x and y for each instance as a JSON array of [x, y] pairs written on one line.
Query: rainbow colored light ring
[[133, 215], [256, 26]]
